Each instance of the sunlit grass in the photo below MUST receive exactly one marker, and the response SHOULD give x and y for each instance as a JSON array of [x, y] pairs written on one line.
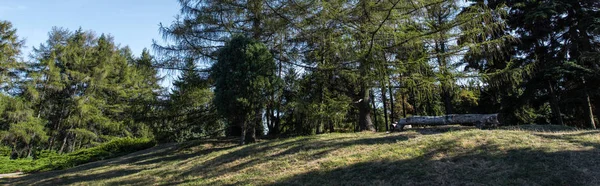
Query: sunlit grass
[[433, 156]]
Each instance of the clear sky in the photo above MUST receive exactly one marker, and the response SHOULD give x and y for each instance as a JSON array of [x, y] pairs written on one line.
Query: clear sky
[[131, 22]]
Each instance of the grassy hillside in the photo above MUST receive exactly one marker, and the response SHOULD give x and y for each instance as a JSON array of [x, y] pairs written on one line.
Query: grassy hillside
[[531, 155]]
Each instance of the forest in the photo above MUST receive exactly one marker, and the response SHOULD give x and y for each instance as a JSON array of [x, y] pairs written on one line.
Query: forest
[[254, 69]]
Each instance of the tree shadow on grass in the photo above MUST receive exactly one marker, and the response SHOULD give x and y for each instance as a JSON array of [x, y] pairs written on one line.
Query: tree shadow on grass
[[429, 130], [163, 153], [55, 177], [477, 167], [574, 138], [254, 154], [481, 165], [540, 128]]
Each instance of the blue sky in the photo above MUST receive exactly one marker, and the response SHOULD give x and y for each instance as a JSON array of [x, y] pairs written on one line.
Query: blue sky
[[131, 22]]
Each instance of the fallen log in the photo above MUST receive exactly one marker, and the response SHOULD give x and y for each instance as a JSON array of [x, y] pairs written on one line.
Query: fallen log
[[479, 120]]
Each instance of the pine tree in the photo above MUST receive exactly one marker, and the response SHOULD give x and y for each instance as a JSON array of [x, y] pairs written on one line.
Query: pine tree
[[10, 52], [190, 113], [243, 75], [85, 90], [554, 35]]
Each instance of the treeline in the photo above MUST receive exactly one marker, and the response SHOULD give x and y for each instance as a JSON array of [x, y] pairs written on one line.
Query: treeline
[[78, 90], [249, 68], [358, 65]]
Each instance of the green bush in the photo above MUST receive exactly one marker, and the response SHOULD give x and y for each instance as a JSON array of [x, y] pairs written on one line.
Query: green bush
[[9, 166], [5, 151], [117, 147], [44, 154]]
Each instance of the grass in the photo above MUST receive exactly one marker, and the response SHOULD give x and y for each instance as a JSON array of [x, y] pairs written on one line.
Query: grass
[[532, 155]]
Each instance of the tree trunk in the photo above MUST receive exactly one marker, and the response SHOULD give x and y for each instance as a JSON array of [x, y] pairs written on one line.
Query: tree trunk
[[62, 147], [374, 111], [243, 135], [554, 105], [384, 100], [414, 101], [588, 110], [447, 99], [480, 120], [403, 103], [14, 153], [331, 127], [364, 111], [51, 143], [253, 126], [29, 149], [392, 118], [268, 118]]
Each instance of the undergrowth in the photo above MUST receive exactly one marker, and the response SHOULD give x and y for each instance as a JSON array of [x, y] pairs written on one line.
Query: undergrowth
[[49, 160]]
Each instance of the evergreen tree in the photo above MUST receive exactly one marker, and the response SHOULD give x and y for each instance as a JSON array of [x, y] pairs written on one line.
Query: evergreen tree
[[555, 35], [19, 128], [243, 75], [190, 111], [85, 89], [10, 51]]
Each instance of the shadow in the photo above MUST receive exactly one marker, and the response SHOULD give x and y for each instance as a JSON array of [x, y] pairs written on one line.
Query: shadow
[[180, 157], [477, 167], [51, 179], [54, 177], [429, 130], [573, 138], [442, 162], [255, 153], [540, 128]]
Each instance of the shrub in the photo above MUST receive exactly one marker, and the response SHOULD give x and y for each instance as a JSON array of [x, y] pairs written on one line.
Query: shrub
[[107, 150], [10, 166], [5, 151]]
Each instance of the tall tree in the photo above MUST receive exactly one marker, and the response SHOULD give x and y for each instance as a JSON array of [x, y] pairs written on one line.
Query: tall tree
[[189, 113], [84, 88], [554, 35], [243, 75], [10, 51]]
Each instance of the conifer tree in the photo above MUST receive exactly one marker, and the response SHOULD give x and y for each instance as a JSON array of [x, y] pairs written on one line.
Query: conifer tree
[[243, 75], [190, 112], [85, 89], [10, 53]]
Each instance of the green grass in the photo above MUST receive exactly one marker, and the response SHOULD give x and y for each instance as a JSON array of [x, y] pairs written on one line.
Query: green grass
[[432, 156], [52, 161]]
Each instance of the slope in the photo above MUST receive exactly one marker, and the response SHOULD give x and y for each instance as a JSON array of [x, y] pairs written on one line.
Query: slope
[[531, 155]]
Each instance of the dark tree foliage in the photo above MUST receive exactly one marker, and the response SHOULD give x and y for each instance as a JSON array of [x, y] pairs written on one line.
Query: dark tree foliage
[[545, 77], [243, 75]]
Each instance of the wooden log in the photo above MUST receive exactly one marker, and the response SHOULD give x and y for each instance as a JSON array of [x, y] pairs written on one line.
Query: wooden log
[[479, 120]]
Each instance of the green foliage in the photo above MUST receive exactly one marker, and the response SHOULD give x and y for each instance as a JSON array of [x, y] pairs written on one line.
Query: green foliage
[[18, 165], [50, 160], [88, 90], [10, 51], [189, 113], [107, 150], [243, 75], [5, 150]]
